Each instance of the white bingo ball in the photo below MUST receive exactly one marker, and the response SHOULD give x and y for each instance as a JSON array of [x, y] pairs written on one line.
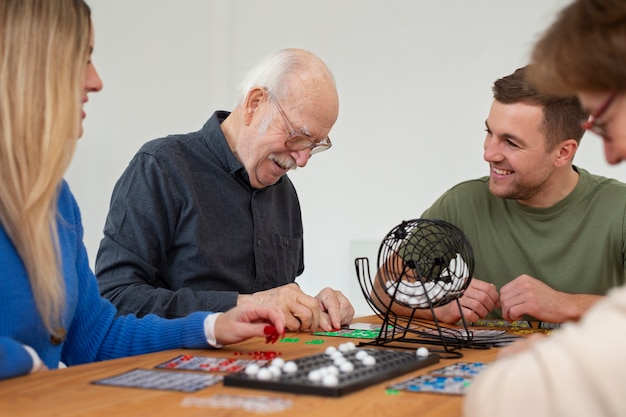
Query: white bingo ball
[[422, 352], [346, 367], [264, 374], [275, 371], [330, 380], [339, 361], [330, 350], [369, 361], [360, 355], [402, 298], [403, 288], [315, 375], [290, 367], [252, 369], [332, 370], [336, 354], [279, 362]]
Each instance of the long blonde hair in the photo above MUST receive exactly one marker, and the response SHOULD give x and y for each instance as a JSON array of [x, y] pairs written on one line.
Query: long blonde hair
[[44, 47]]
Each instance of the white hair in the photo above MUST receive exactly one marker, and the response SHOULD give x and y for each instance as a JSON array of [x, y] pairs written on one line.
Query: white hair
[[273, 71]]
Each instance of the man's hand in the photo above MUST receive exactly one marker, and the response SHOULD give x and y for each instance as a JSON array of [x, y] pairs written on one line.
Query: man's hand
[[477, 301], [528, 295], [302, 312], [249, 320], [336, 309]]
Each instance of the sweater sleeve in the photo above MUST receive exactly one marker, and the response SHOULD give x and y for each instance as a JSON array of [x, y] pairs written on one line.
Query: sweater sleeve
[[96, 334], [14, 359], [577, 371]]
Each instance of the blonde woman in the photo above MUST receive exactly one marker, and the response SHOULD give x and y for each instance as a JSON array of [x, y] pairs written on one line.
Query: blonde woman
[[50, 307]]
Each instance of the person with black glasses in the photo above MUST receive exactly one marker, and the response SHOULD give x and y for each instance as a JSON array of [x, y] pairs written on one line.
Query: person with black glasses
[[210, 220]]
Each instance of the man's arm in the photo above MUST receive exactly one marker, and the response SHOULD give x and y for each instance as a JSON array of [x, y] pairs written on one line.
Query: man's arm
[[329, 310], [528, 295], [138, 237], [478, 299]]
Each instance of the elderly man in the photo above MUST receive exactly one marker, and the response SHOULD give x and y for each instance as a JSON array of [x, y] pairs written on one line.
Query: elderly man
[[209, 220]]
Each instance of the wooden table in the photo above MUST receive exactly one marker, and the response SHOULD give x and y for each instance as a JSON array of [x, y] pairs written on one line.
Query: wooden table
[[69, 392]]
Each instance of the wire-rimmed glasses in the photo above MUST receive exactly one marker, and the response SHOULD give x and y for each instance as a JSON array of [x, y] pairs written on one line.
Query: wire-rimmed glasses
[[299, 141]]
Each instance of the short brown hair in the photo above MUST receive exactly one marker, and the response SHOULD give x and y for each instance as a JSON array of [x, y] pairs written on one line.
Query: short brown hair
[[583, 50], [562, 116]]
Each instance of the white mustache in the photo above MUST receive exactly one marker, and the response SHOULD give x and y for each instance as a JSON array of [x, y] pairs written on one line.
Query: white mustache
[[284, 161]]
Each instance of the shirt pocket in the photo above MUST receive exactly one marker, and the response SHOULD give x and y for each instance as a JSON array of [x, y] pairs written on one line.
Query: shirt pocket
[[287, 254]]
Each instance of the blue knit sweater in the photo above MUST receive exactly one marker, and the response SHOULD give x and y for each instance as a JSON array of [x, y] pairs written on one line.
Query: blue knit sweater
[[93, 332]]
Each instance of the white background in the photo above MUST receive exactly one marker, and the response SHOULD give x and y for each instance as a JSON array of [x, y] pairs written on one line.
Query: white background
[[414, 80]]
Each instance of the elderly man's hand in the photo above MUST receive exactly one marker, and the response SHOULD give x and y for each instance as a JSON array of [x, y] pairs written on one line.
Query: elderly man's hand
[[302, 312], [329, 310], [336, 309]]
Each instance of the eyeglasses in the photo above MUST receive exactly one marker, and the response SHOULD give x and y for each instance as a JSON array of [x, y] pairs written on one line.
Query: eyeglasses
[[592, 122], [298, 141]]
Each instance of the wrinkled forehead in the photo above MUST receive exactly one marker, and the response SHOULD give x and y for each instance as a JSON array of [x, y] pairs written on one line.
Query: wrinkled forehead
[[314, 109]]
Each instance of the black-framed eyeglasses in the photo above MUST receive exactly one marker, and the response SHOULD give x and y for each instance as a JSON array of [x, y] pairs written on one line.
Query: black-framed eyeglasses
[[299, 141], [592, 122]]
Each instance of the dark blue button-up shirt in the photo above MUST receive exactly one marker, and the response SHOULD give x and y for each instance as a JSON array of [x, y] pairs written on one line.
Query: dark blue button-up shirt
[[187, 232]]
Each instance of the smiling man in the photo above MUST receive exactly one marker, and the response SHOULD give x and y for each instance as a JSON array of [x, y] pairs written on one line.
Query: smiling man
[[209, 220], [548, 237]]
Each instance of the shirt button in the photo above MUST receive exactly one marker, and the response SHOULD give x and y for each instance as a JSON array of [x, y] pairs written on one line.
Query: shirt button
[[258, 242], [58, 337]]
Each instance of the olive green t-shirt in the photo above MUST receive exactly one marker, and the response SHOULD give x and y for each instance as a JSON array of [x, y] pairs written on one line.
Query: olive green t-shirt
[[576, 246]]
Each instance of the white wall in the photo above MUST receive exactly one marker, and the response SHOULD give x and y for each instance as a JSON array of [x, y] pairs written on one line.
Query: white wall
[[414, 80]]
